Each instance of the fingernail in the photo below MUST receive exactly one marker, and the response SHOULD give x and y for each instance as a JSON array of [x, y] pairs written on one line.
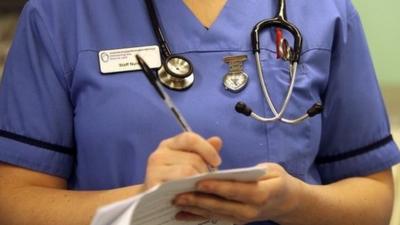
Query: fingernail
[[203, 187], [181, 201]]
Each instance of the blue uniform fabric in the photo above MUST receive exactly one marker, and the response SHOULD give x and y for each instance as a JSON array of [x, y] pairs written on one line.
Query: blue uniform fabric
[[59, 115]]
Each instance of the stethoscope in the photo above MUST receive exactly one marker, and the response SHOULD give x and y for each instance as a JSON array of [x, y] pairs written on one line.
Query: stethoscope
[[176, 71]]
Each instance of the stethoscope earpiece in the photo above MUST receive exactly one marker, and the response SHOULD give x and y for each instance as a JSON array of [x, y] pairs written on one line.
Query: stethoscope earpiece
[[316, 109], [242, 108]]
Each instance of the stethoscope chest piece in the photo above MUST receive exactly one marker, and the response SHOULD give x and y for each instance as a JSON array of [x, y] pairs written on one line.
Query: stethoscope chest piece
[[176, 73], [236, 79]]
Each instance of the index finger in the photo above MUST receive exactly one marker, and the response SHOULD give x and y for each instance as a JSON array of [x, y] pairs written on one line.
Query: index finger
[[192, 142]]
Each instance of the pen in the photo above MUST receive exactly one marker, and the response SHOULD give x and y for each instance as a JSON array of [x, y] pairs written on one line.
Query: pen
[[166, 98], [164, 95]]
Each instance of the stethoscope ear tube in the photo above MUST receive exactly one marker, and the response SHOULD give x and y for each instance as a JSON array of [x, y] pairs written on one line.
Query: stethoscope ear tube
[[280, 20], [165, 51], [286, 53], [281, 23], [242, 108]]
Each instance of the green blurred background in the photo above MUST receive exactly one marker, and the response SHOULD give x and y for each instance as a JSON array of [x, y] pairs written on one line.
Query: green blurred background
[[380, 19]]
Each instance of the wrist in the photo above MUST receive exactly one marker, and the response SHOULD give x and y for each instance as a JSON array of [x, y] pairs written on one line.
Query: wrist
[[295, 205]]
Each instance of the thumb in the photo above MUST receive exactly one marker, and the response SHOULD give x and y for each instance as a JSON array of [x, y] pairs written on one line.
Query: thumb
[[272, 169]]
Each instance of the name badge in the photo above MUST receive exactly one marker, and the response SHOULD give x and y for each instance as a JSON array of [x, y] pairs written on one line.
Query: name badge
[[124, 59]]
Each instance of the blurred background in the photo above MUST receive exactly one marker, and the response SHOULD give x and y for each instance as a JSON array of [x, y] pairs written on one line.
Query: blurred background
[[380, 22], [380, 19]]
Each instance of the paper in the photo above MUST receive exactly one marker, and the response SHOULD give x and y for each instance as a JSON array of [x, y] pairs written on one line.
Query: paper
[[154, 207]]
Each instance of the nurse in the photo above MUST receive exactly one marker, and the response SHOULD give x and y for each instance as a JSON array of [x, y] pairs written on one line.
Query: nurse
[[73, 138]]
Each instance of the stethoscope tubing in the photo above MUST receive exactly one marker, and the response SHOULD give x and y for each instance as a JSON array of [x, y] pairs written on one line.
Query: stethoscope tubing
[[293, 57], [165, 50], [280, 21], [174, 80], [277, 116]]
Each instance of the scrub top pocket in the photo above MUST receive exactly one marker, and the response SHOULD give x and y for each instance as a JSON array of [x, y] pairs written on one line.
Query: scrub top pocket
[[292, 146]]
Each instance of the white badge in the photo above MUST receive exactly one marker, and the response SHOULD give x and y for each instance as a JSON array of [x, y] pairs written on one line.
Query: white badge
[[124, 59]]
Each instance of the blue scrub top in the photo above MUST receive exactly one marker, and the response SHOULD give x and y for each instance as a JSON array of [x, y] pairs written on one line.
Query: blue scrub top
[[59, 115]]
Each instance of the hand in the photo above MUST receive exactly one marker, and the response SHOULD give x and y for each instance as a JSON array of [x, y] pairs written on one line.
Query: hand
[[273, 197], [184, 155]]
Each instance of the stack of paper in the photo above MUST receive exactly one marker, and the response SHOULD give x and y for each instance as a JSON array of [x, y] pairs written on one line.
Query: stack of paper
[[154, 207]]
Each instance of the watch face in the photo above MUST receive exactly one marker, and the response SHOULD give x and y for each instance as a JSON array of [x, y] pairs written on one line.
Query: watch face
[[236, 79], [235, 82]]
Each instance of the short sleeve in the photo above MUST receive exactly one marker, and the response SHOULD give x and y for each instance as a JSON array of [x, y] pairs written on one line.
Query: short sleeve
[[36, 115], [356, 139]]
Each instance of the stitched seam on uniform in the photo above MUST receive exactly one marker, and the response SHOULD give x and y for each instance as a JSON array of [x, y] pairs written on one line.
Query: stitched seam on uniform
[[185, 52], [355, 152], [353, 15], [313, 49], [223, 50], [37, 143], [57, 169], [59, 58]]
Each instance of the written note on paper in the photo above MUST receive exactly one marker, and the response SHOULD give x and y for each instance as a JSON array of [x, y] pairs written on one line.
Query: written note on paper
[[154, 207]]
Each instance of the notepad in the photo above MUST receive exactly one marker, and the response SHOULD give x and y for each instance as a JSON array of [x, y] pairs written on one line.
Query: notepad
[[154, 207]]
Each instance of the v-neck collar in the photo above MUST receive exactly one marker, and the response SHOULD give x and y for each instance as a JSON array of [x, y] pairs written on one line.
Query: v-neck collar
[[203, 13], [231, 31]]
